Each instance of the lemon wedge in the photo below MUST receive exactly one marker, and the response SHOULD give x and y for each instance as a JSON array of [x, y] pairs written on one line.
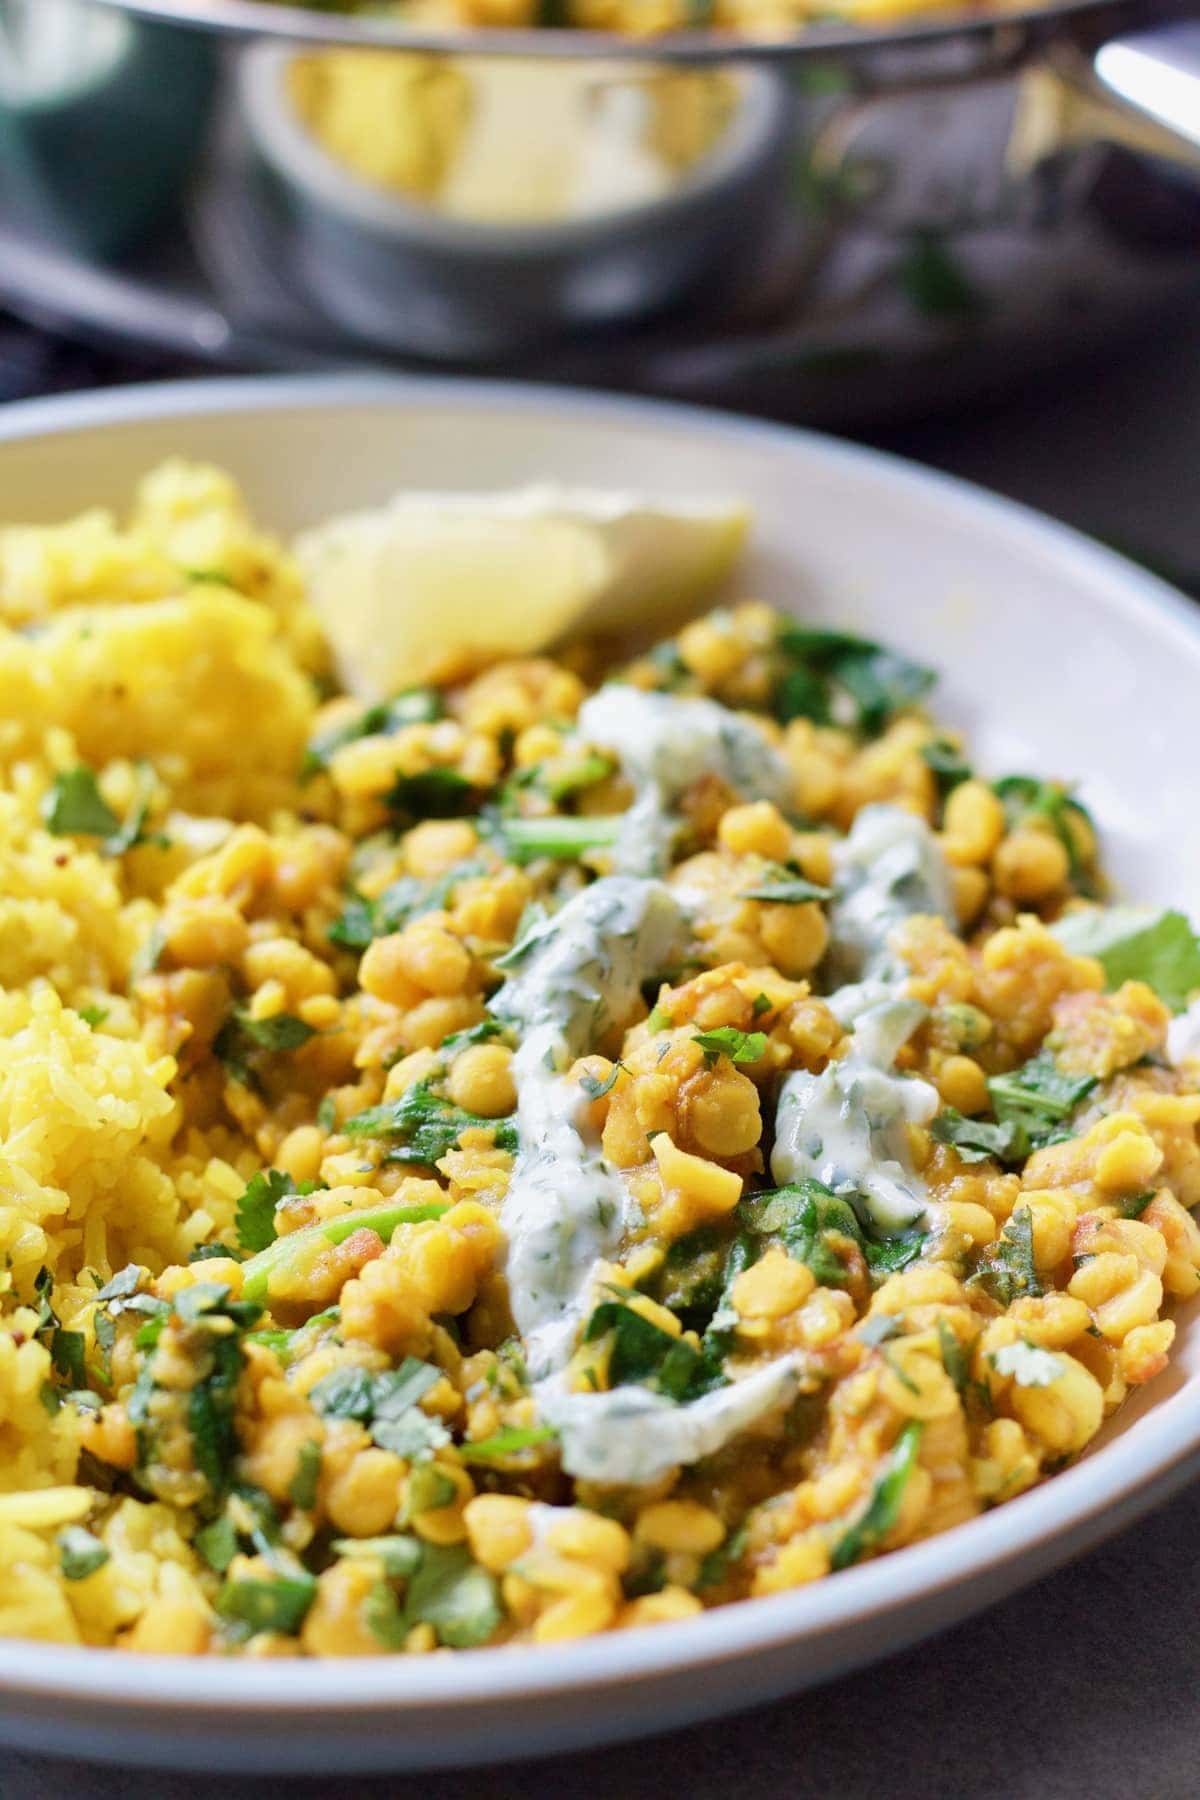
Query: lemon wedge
[[433, 586]]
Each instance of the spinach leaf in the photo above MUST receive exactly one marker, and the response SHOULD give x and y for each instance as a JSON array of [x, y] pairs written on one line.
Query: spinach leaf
[[388, 1403], [642, 1353], [883, 1508], [433, 794], [830, 676], [693, 1276]]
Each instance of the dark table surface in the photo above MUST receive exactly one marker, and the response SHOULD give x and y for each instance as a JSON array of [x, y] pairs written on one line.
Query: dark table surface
[[1082, 1685]]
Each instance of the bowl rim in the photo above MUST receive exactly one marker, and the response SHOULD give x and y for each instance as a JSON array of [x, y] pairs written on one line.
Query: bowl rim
[[1105, 1491], [299, 158]]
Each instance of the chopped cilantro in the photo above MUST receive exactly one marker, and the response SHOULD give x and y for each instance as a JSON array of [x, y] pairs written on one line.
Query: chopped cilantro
[[715, 1567], [726, 1040], [783, 887], [412, 706], [509, 1441], [947, 762], [302, 1488], [1006, 1269], [596, 1090], [1133, 944], [878, 1329], [760, 1005], [834, 678], [977, 1139], [217, 1543], [68, 1353], [277, 1603], [1036, 1100], [93, 1015], [1135, 1207], [1028, 797], [255, 1216], [453, 1594], [421, 1126], [241, 1039], [955, 1358], [80, 1553], [384, 1618], [402, 900], [400, 1556], [387, 1403], [73, 806]]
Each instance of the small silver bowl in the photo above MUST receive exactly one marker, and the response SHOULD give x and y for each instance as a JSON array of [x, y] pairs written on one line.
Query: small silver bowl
[[411, 277]]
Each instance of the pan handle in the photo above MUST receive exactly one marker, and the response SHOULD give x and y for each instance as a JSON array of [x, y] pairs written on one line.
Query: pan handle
[[1157, 72]]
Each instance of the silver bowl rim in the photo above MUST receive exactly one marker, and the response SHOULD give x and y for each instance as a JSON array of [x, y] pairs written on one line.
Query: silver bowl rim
[[255, 18], [296, 156]]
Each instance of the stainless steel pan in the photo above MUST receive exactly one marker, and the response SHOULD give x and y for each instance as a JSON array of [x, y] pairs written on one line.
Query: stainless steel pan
[[957, 201]]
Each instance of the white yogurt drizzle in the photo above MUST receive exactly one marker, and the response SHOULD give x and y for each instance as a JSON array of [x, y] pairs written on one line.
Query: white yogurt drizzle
[[846, 1126], [665, 743], [566, 1206]]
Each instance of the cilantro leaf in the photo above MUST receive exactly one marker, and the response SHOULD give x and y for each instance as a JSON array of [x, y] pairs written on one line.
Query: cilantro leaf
[[255, 1216], [433, 794], [399, 1555], [1028, 796], [1036, 1100], [422, 1126], [883, 1508], [217, 1543], [384, 1617], [453, 1594], [1006, 1269], [976, 1139], [80, 1553], [302, 1488], [596, 1090], [782, 887], [1136, 944], [242, 1038], [511, 1440], [404, 899], [833, 677], [727, 1040], [947, 762], [412, 706], [387, 1403], [74, 806], [277, 1603]]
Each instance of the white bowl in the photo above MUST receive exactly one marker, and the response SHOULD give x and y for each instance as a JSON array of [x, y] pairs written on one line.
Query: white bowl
[[1058, 656]]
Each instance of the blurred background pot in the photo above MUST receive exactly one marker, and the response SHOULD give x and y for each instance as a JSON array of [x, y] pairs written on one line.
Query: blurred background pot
[[915, 216], [101, 117]]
